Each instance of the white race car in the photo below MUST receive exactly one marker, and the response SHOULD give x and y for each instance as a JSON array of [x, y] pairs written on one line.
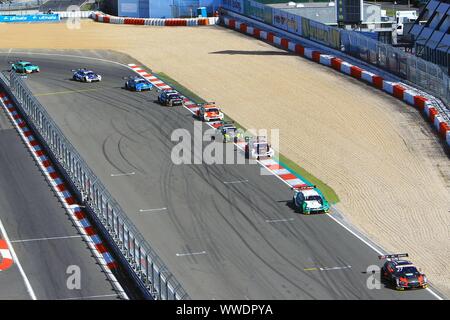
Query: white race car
[[209, 112], [85, 75], [257, 148]]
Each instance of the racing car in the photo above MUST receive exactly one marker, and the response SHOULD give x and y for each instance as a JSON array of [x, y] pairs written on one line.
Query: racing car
[[85, 75], [208, 112], [402, 274], [307, 200], [230, 133], [170, 98], [138, 84], [24, 67], [257, 148]]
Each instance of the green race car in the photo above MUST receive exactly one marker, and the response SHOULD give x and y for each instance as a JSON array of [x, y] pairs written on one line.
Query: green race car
[[24, 67], [307, 200]]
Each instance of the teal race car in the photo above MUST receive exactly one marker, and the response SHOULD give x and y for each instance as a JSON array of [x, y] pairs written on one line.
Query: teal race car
[[307, 200], [24, 67]]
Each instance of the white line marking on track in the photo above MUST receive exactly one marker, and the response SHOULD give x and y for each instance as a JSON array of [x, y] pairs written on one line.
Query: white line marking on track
[[16, 260], [280, 220], [92, 297], [190, 254], [237, 181], [45, 239], [334, 268], [152, 210], [122, 174]]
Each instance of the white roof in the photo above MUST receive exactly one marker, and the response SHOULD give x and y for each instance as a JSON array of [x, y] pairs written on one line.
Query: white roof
[[309, 192]]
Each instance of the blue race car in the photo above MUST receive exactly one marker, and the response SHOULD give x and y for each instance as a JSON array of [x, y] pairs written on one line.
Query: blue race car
[[138, 84], [85, 75]]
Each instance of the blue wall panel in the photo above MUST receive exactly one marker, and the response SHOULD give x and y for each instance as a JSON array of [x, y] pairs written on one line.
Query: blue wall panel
[[164, 8], [160, 8], [129, 8]]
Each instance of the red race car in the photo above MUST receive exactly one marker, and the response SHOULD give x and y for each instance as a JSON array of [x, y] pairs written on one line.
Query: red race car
[[402, 274]]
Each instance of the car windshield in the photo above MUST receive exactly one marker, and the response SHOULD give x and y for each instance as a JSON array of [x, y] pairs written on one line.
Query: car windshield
[[212, 110], [262, 146], [313, 198], [28, 65], [89, 73], [174, 96], [407, 271], [141, 81]]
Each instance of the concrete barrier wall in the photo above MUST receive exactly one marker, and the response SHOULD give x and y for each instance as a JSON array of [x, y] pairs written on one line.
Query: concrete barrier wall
[[101, 17]]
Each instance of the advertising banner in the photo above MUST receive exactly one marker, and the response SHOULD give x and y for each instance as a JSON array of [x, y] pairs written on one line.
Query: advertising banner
[[321, 33], [280, 19], [294, 23], [234, 5], [30, 18], [254, 9], [268, 16]]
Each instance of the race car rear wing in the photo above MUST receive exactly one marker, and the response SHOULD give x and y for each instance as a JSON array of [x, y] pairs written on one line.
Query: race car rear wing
[[80, 69], [395, 256], [132, 77], [304, 188], [212, 103]]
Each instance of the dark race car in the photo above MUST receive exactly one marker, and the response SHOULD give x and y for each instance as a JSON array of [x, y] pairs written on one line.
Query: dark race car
[[170, 98], [402, 274]]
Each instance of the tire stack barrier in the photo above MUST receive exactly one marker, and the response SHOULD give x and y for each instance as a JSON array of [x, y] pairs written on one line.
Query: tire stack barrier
[[438, 118], [178, 22]]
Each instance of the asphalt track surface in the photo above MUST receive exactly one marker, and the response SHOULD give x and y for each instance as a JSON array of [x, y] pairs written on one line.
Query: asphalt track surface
[[42, 234], [221, 240]]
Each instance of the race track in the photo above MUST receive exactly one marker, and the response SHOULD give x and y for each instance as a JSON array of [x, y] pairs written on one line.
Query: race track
[[249, 242], [42, 234]]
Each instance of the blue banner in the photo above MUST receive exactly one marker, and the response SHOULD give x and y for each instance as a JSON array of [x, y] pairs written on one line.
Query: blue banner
[[30, 18], [234, 5]]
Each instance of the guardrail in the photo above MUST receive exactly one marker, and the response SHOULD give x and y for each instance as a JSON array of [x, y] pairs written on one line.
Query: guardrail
[[426, 75], [135, 254], [75, 14], [168, 22]]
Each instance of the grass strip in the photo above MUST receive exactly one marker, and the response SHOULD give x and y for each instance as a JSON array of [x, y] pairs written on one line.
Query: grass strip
[[325, 189], [180, 88]]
